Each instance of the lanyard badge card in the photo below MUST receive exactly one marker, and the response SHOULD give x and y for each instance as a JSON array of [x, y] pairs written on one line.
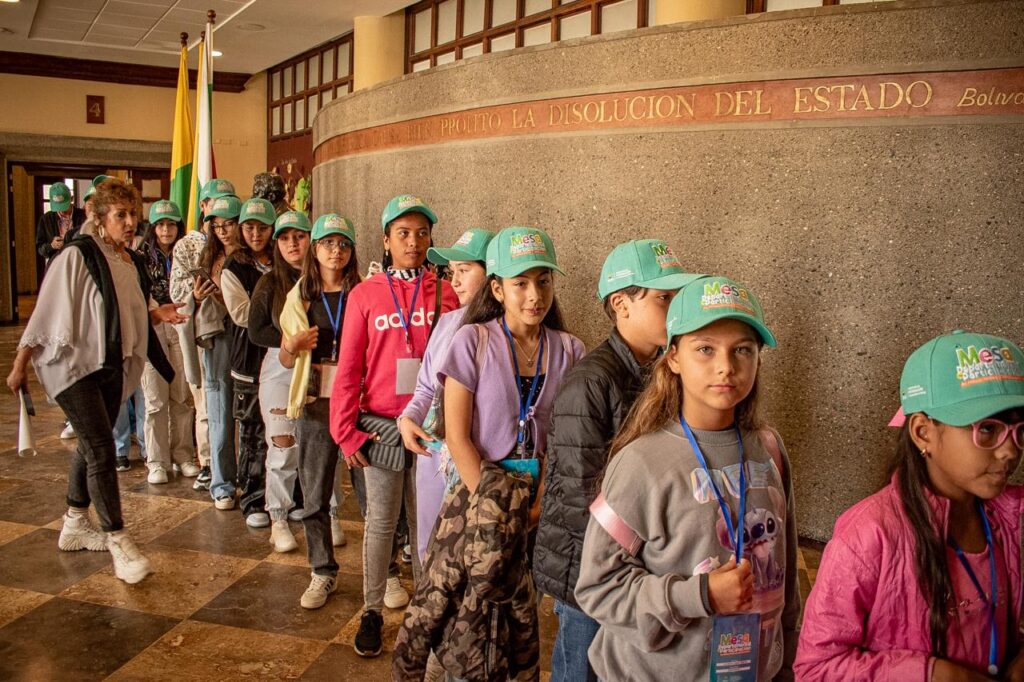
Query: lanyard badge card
[[328, 368], [735, 637], [406, 369]]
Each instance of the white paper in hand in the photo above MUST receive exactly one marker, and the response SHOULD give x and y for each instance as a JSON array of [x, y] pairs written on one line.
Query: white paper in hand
[[26, 441]]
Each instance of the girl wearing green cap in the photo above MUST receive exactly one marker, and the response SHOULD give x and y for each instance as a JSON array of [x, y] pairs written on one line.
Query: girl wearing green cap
[[214, 332], [169, 417], [291, 240], [242, 270], [388, 320], [922, 580], [311, 322], [693, 536], [500, 376]]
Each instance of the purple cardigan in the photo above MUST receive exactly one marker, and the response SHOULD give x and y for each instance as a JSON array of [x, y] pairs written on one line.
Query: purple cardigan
[[437, 350], [495, 395]]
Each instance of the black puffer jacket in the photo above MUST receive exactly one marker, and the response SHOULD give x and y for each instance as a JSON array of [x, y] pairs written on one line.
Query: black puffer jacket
[[591, 405]]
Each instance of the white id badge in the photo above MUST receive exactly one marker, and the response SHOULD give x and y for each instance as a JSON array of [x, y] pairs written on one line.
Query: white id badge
[[405, 375], [327, 372]]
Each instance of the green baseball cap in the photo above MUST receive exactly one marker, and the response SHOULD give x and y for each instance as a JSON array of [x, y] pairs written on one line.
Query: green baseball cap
[[647, 263], [292, 220], [962, 377], [216, 188], [99, 179], [257, 209], [332, 223], [60, 197], [517, 249], [471, 246], [402, 204], [227, 206], [164, 210], [709, 298]]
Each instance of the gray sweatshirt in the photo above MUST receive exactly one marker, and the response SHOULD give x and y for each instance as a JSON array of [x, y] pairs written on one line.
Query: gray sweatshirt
[[653, 608]]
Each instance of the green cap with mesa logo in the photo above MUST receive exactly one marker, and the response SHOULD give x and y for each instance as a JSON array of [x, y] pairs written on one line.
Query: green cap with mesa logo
[[647, 263], [471, 246], [258, 209], [164, 210], [517, 249], [227, 207], [292, 220], [332, 223], [402, 204], [216, 188], [60, 197], [962, 377], [710, 298]]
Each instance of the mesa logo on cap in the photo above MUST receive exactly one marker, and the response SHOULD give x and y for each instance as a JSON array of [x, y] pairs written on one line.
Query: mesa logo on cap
[[721, 295], [994, 363], [164, 208], [59, 195], [464, 240], [220, 203], [335, 222], [225, 186], [666, 259], [407, 201], [257, 207], [527, 244]]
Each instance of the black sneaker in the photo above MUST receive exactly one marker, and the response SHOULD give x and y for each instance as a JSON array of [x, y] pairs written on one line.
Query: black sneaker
[[202, 480], [122, 464], [368, 642]]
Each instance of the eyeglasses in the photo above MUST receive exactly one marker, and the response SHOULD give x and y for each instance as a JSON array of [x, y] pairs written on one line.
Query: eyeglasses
[[989, 434], [224, 226], [335, 244]]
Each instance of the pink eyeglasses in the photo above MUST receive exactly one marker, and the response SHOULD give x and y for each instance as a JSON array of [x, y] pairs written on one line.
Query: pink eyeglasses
[[989, 434]]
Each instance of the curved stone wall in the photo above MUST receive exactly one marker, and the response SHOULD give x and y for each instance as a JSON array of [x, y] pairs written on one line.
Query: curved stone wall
[[860, 168]]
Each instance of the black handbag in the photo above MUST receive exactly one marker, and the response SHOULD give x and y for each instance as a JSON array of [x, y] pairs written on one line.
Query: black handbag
[[385, 450]]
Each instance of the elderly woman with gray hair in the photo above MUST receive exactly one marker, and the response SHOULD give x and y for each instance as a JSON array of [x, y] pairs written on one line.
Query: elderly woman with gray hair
[[88, 343]]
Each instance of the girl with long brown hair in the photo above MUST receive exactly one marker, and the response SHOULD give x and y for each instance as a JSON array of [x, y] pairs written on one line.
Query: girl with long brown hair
[[694, 528]]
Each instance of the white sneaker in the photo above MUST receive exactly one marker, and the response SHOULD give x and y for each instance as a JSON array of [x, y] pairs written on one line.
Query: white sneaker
[[258, 520], [188, 469], [395, 597], [129, 564], [281, 537], [68, 432], [338, 538], [297, 514], [157, 475], [225, 503], [78, 533], [320, 587]]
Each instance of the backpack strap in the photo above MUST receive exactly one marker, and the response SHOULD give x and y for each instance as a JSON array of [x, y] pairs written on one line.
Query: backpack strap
[[437, 305], [615, 526], [481, 346], [770, 441]]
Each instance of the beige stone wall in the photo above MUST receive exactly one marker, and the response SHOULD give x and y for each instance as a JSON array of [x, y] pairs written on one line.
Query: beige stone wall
[[863, 238], [56, 106]]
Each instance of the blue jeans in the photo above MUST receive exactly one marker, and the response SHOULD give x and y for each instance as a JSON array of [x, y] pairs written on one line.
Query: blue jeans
[[219, 391], [576, 630], [135, 406]]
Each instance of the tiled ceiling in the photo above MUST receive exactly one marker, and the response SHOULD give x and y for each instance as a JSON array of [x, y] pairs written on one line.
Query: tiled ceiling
[[252, 34]]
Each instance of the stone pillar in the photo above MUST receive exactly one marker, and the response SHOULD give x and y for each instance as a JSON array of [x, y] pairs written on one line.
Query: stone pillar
[[379, 49], [672, 11]]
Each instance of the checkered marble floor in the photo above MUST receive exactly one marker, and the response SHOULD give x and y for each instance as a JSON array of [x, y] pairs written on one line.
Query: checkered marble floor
[[221, 604]]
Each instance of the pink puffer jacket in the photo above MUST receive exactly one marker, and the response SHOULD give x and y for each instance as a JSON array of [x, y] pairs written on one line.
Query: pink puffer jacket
[[866, 618]]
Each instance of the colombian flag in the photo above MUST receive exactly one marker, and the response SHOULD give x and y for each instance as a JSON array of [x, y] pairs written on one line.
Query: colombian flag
[[181, 141]]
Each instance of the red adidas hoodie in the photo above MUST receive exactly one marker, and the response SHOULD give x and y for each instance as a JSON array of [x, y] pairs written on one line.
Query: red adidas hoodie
[[372, 341]]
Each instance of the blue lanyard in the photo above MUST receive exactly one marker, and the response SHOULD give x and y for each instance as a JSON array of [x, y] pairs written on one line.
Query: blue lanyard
[[406, 323], [524, 406], [991, 599], [735, 529], [335, 321]]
